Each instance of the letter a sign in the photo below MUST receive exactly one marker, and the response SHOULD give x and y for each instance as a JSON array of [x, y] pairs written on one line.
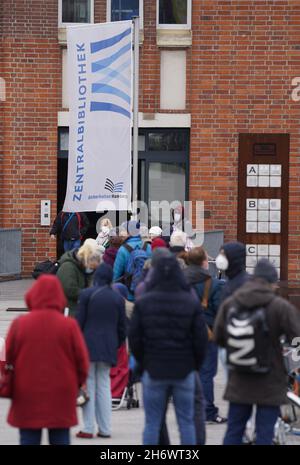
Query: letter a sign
[[100, 94]]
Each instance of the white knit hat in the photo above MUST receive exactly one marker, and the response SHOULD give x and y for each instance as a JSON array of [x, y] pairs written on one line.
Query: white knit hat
[[155, 231], [178, 239]]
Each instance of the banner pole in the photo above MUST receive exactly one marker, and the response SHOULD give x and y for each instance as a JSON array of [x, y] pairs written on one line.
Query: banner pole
[[136, 22]]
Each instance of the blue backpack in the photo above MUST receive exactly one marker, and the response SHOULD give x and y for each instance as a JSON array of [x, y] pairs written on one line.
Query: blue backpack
[[135, 265]]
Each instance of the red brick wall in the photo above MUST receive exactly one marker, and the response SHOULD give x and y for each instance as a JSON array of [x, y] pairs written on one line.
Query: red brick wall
[[32, 70], [244, 56], [100, 11], [239, 72]]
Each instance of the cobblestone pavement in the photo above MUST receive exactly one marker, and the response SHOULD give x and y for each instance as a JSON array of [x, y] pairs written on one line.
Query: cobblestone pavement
[[127, 424]]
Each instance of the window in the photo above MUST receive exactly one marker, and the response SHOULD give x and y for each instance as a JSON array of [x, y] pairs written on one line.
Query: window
[[122, 10], [63, 142], [174, 13], [163, 169], [76, 11], [173, 80], [168, 140]]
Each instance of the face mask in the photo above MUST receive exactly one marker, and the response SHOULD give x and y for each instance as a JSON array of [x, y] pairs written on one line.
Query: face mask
[[177, 217], [89, 271], [222, 262], [105, 229]]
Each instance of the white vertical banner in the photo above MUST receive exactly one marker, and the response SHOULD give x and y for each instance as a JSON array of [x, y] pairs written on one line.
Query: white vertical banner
[[100, 103]]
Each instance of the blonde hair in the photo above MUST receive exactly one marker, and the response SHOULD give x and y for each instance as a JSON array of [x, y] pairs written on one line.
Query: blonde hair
[[106, 222], [89, 252]]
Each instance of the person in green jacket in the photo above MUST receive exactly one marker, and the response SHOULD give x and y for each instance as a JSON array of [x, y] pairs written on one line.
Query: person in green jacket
[[76, 269]]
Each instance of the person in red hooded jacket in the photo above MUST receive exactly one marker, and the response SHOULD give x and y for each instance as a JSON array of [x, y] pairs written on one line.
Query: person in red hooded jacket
[[50, 362]]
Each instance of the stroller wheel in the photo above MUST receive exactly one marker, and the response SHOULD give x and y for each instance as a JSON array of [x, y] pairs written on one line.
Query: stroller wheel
[[135, 403], [129, 404]]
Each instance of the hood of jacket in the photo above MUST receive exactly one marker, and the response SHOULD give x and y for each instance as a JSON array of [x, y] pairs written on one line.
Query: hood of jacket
[[110, 255], [254, 293], [168, 276], [196, 274], [236, 255], [103, 275], [70, 257], [46, 294], [133, 241]]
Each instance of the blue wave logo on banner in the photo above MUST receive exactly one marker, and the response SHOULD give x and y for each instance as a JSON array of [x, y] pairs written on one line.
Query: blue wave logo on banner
[[114, 188], [112, 69]]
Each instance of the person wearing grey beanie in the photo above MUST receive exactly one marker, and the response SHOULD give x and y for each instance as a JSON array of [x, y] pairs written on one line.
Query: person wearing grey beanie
[[266, 271]]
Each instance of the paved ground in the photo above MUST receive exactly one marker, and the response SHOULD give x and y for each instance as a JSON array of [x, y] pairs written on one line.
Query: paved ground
[[127, 424]]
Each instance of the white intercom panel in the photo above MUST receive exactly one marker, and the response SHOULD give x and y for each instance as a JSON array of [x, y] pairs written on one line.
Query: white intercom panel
[[45, 212]]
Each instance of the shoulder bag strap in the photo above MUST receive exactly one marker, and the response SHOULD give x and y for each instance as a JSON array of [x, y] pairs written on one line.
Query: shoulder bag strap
[[67, 222], [205, 297], [128, 247]]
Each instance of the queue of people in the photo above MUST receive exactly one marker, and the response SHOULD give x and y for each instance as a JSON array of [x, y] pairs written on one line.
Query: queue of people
[[180, 317]]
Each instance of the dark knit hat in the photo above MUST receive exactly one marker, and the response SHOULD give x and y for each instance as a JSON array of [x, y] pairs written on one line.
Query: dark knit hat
[[265, 270], [158, 254]]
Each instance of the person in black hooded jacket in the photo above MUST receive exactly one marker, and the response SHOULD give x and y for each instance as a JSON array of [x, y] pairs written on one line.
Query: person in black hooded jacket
[[102, 319], [232, 261], [168, 337]]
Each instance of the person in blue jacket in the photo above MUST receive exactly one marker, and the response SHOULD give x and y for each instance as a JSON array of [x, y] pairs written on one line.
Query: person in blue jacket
[[101, 317], [134, 241], [208, 292]]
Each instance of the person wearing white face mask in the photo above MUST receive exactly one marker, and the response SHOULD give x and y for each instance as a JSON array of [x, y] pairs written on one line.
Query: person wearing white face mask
[[76, 271], [181, 224], [232, 260], [222, 262], [103, 236]]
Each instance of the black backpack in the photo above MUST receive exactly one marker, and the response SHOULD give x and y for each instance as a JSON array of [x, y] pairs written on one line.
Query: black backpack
[[46, 267], [248, 341]]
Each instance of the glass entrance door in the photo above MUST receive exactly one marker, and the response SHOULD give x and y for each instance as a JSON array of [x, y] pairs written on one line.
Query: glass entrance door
[[163, 170], [166, 183]]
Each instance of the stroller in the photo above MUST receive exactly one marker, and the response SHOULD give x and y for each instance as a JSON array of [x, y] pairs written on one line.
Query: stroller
[[123, 382]]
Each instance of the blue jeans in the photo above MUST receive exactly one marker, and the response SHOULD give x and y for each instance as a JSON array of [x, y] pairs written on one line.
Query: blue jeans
[[70, 245], [57, 437], [238, 416], [98, 408], [199, 418], [199, 412], [156, 394], [207, 373]]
